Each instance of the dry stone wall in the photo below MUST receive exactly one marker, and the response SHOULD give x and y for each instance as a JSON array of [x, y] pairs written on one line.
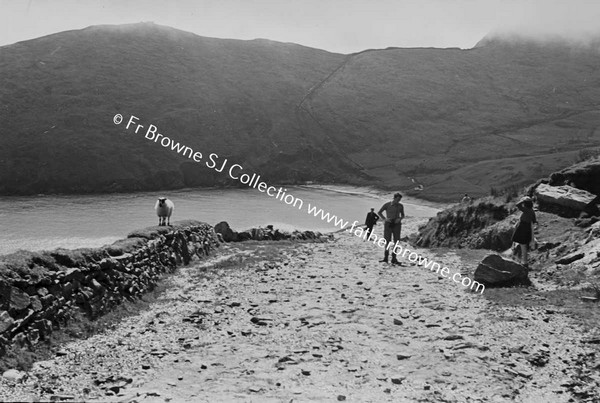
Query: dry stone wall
[[227, 234], [40, 292]]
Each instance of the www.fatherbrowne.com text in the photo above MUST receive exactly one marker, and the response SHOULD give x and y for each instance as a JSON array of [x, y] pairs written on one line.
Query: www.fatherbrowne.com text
[[236, 172]]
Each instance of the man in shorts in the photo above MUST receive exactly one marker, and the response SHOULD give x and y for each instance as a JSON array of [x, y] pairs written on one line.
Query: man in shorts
[[394, 213]]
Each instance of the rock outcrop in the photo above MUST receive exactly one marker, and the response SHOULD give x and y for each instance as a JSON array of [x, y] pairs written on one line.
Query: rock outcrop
[[497, 237], [40, 292], [583, 175], [469, 226], [495, 271], [571, 191], [572, 200]]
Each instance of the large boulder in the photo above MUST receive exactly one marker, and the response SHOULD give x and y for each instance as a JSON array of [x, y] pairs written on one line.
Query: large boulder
[[583, 175], [565, 196], [495, 271], [228, 234]]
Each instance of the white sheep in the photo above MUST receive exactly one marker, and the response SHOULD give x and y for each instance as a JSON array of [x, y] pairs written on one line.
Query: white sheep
[[164, 208]]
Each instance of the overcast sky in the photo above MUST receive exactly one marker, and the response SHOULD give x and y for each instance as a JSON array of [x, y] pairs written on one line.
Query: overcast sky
[[343, 26]]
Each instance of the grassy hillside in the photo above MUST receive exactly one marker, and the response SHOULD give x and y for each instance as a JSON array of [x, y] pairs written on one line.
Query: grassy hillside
[[235, 98], [451, 120], [460, 121]]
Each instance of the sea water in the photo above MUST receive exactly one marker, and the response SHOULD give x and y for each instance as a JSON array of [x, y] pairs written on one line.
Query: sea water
[[77, 221]]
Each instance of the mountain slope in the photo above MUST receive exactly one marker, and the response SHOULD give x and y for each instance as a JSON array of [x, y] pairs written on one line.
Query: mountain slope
[[59, 95], [426, 113], [441, 118]]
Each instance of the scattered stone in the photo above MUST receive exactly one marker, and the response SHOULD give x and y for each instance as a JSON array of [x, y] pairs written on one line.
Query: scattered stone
[[19, 300], [461, 346], [539, 358], [403, 356], [570, 258], [453, 337], [525, 373], [547, 246], [36, 304], [300, 351], [288, 359], [397, 322], [397, 381], [58, 398], [6, 321], [341, 398], [14, 375], [260, 321], [305, 372]]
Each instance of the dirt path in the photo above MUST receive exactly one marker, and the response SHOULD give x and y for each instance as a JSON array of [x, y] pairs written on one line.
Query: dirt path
[[319, 322]]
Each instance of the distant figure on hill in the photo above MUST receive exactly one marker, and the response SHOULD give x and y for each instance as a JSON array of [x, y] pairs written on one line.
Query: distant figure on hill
[[392, 225], [370, 221], [164, 208], [466, 199], [523, 234]]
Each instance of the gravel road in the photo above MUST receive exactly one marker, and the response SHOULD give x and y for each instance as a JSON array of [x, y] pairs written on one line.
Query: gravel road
[[283, 322]]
